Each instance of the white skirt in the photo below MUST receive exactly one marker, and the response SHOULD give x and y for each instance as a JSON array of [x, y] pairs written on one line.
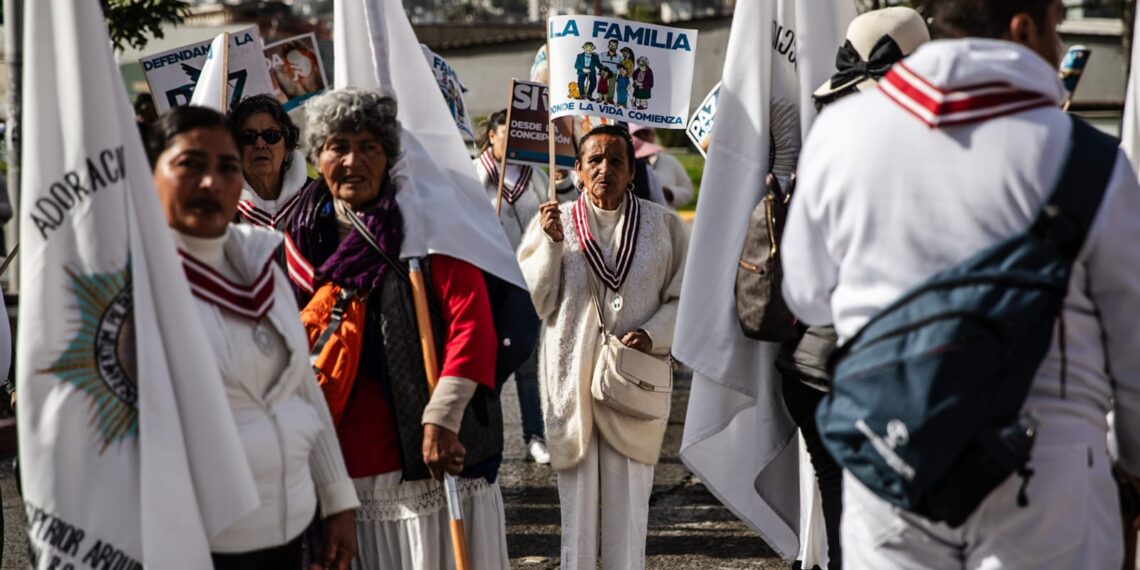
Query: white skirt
[[406, 526]]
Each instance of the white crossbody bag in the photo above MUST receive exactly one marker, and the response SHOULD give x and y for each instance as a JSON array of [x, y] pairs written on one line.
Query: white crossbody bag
[[627, 380]]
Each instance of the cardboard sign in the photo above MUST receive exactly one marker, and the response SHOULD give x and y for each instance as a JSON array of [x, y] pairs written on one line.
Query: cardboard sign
[[625, 71], [701, 123], [527, 118], [172, 74], [296, 69], [452, 90]]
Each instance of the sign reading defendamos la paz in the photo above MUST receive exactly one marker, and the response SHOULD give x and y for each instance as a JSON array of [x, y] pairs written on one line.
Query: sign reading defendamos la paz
[[627, 71], [173, 74], [701, 123]]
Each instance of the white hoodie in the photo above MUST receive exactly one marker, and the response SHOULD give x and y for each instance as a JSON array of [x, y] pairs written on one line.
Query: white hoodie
[[885, 200]]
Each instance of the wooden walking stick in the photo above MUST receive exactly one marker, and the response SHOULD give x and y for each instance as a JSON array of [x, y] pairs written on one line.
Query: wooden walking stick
[[431, 367]]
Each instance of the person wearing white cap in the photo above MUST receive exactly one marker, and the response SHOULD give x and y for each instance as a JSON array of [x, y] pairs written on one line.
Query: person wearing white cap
[[958, 149], [675, 182], [875, 41]]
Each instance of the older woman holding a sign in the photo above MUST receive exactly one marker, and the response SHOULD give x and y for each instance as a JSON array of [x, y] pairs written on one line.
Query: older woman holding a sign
[[605, 277], [274, 168], [246, 305], [358, 296]]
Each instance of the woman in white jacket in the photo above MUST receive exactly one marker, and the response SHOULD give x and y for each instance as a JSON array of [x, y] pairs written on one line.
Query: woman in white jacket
[[247, 306], [628, 254]]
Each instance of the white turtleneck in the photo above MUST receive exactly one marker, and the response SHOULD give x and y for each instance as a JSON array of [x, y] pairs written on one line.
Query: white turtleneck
[[257, 350], [606, 225]]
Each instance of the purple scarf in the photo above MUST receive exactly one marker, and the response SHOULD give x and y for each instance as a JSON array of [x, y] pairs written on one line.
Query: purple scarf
[[351, 263]]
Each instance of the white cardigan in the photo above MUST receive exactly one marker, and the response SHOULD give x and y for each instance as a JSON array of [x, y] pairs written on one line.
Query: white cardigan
[[283, 421], [516, 217], [556, 274]]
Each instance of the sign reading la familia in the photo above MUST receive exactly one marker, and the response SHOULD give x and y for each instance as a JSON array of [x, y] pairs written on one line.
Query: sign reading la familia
[[627, 71]]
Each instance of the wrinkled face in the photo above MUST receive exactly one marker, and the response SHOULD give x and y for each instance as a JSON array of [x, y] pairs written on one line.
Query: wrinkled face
[[1049, 43], [260, 158], [199, 180], [605, 167], [498, 138], [354, 166]]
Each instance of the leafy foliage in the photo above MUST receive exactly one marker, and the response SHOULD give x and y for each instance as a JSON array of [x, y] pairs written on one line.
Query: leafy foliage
[[133, 22]]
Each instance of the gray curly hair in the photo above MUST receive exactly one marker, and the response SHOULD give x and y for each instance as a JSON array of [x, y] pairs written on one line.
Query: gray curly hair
[[351, 110]]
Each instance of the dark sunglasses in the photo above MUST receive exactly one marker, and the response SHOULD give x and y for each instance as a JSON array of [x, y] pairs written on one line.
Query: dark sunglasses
[[270, 136]]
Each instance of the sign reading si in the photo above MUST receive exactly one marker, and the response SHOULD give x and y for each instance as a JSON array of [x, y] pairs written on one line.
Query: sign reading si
[[172, 74], [527, 141], [626, 71]]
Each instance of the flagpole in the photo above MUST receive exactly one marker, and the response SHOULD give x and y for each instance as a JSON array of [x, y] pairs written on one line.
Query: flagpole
[[14, 59], [224, 104], [431, 368], [503, 159]]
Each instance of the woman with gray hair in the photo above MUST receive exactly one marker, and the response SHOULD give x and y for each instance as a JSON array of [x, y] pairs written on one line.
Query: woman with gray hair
[[343, 250]]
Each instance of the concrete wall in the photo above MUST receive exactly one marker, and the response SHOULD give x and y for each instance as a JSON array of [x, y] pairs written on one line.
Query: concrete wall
[[487, 71]]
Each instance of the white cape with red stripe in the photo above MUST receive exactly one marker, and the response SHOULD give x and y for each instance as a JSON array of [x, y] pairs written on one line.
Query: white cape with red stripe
[[444, 205], [255, 208]]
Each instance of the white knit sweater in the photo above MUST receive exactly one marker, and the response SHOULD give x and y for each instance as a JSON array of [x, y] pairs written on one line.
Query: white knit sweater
[[556, 274]]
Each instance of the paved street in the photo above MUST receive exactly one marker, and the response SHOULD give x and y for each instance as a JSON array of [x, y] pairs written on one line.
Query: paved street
[[688, 528]]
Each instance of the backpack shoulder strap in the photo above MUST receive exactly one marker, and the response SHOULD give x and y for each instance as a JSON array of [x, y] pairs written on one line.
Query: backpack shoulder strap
[[1079, 190]]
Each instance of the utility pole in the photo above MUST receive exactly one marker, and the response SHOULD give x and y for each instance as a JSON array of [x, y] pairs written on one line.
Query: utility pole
[[14, 59]]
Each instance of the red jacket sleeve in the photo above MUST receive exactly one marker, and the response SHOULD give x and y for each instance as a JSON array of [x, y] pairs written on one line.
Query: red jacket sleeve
[[471, 345]]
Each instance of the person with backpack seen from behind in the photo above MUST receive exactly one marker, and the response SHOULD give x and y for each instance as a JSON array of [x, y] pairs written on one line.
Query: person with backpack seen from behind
[[346, 237], [605, 275], [959, 164], [524, 190]]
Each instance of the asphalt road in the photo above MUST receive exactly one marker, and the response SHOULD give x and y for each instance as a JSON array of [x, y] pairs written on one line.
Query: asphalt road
[[688, 527]]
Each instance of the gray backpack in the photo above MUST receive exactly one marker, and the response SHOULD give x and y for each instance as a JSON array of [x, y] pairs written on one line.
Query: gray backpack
[[759, 303]]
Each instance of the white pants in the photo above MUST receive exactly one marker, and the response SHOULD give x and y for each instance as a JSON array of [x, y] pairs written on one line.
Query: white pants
[[614, 489], [406, 526], [1072, 520]]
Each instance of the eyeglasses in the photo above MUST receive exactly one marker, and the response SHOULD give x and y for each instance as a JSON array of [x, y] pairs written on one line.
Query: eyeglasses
[[270, 136]]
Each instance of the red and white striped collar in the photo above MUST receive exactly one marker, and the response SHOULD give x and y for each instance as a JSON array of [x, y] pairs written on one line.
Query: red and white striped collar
[[252, 301], [260, 217], [627, 242], [939, 107], [511, 193]]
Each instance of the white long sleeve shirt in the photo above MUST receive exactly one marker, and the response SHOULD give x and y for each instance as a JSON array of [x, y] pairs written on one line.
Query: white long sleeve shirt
[[884, 201]]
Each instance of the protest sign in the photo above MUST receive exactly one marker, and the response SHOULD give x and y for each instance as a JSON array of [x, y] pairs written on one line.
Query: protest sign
[[701, 123], [452, 90], [172, 74], [296, 70], [626, 71], [527, 124]]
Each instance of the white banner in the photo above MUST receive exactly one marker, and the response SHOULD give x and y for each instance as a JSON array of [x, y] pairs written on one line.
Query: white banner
[[452, 89], [701, 123], [626, 71], [211, 89], [779, 51], [128, 450], [172, 74], [1130, 126]]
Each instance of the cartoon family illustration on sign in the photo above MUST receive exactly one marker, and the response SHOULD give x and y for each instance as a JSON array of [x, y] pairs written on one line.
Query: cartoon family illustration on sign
[[609, 77]]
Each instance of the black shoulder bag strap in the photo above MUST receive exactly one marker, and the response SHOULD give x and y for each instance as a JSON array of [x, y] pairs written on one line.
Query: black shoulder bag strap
[[1068, 216]]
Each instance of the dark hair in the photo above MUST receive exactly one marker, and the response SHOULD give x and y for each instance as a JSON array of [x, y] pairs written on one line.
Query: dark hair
[[488, 126], [180, 120], [269, 105], [142, 101], [982, 18], [613, 131]]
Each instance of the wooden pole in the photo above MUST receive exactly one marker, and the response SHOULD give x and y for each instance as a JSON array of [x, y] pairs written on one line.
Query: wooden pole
[[503, 159], [431, 369], [552, 190], [224, 104]]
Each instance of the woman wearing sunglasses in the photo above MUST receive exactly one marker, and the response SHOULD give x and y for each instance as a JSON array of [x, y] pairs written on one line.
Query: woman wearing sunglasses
[[273, 166]]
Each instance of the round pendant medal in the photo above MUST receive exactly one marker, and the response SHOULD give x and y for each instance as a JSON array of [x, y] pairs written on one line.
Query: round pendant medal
[[617, 303], [263, 340]]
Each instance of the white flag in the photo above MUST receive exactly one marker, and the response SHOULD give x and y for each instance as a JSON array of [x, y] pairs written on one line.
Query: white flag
[[444, 206], [212, 88], [129, 453], [738, 437], [1130, 127]]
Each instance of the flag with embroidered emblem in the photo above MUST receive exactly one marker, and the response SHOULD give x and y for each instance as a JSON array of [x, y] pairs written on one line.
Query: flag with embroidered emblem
[[128, 450]]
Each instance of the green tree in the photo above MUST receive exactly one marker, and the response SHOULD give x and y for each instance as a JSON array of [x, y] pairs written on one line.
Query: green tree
[[133, 22]]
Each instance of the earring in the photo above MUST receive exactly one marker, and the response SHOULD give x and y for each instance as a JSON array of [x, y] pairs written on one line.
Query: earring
[[581, 187], [629, 188]]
